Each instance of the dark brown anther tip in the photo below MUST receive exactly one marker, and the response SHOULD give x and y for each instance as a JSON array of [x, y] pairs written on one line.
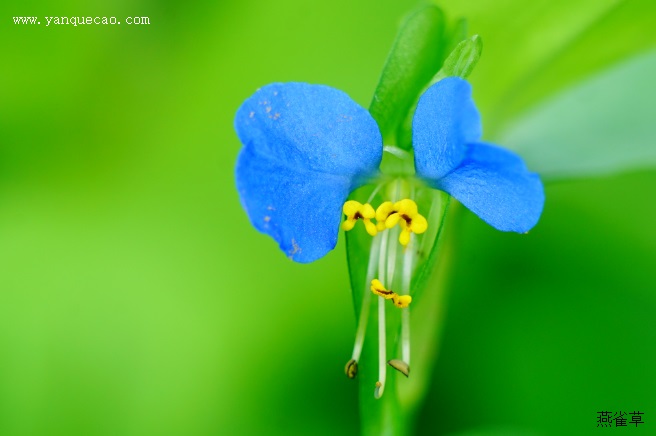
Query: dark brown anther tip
[[351, 368]]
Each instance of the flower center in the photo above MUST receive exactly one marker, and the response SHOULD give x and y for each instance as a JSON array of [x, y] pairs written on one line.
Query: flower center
[[399, 219], [404, 213]]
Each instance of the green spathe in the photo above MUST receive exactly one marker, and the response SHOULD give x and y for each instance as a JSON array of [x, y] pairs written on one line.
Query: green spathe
[[414, 58]]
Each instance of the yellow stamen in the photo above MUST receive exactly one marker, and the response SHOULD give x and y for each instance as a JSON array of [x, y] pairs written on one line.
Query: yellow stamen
[[407, 207], [348, 224], [410, 220], [354, 211], [378, 289], [404, 237], [402, 301], [384, 212], [392, 220], [403, 212], [370, 227]]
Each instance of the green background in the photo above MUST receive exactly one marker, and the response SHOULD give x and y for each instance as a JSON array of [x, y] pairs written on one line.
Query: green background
[[135, 297]]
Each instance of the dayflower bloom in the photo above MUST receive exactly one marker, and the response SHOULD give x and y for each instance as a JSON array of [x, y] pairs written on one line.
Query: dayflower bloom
[[307, 147]]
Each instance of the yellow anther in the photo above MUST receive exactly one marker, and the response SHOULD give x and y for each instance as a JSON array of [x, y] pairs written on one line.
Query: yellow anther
[[378, 289], [407, 207], [384, 211], [392, 220], [354, 211], [410, 220], [404, 237], [402, 301], [370, 227], [351, 207]]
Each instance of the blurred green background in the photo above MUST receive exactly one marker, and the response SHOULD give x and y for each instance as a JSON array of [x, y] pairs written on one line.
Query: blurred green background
[[135, 297]]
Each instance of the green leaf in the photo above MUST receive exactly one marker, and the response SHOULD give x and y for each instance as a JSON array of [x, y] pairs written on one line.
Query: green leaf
[[601, 126], [415, 57], [462, 60], [535, 49]]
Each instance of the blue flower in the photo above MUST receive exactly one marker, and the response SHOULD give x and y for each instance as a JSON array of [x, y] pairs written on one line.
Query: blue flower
[[307, 147]]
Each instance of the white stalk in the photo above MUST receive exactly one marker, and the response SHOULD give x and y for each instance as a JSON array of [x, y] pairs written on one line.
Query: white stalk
[[366, 299], [382, 351]]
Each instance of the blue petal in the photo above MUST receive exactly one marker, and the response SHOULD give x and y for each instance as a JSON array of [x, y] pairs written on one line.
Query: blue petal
[[495, 184], [445, 120], [305, 148], [301, 210], [311, 127]]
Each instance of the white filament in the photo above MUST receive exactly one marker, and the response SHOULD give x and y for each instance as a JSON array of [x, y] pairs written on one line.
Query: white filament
[[382, 357], [366, 299]]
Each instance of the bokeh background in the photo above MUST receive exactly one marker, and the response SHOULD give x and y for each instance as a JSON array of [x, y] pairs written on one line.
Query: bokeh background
[[136, 299]]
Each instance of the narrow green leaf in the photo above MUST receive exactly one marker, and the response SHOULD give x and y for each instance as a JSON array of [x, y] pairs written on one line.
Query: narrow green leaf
[[460, 62], [601, 126], [416, 55], [464, 57], [548, 46]]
